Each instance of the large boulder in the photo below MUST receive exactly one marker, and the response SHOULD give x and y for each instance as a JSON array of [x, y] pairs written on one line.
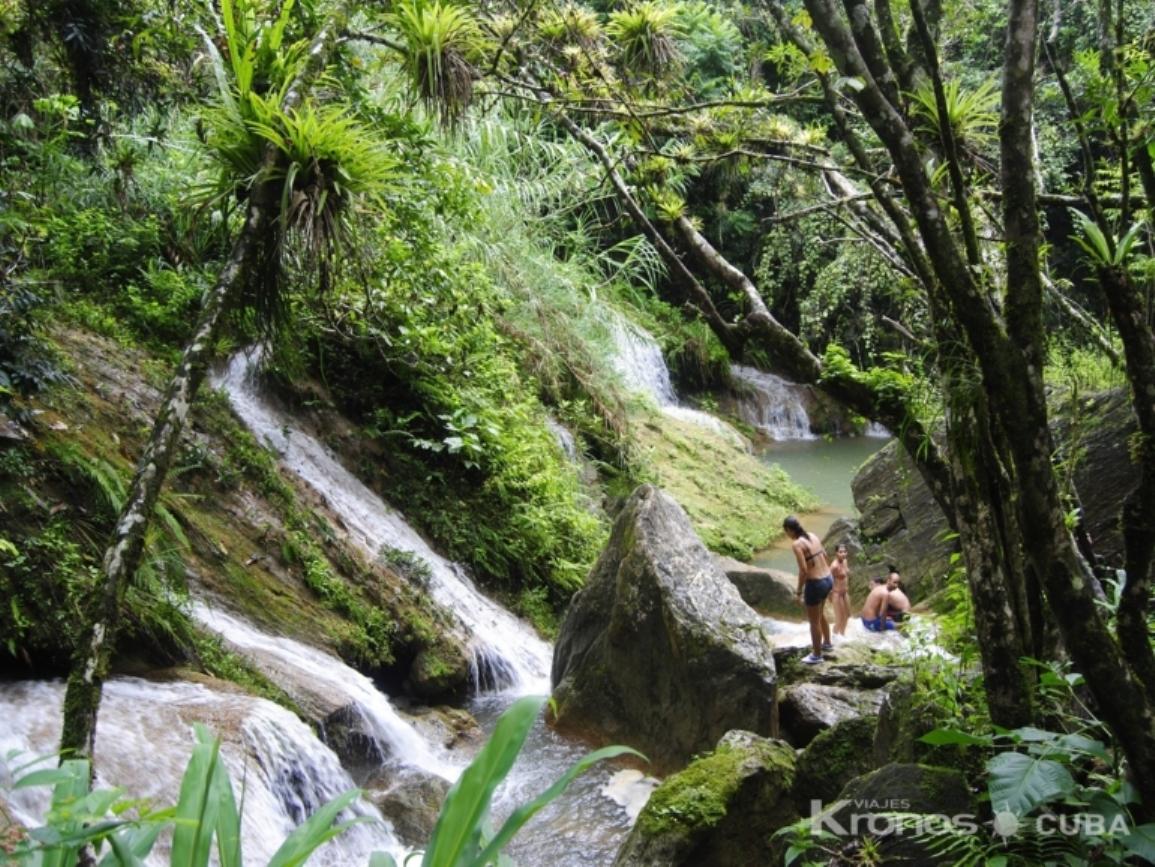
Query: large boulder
[[864, 814], [834, 758], [410, 799], [658, 650], [721, 810], [767, 591], [899, 523]]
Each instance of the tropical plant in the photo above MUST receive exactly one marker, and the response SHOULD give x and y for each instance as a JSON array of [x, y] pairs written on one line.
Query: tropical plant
[[971, 113], [647, 35], [439, 40]]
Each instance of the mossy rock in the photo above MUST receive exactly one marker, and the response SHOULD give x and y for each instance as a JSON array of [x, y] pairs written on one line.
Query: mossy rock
[[735, 501], [864, 818], [832, 760], [439, 675], [722, 809]]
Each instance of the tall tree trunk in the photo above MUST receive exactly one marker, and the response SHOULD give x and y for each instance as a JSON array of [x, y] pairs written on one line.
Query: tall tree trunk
[[122, 557]]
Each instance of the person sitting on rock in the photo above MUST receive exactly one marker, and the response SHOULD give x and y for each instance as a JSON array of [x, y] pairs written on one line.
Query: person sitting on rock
[[898, 603], [874, 610], [814, 585]]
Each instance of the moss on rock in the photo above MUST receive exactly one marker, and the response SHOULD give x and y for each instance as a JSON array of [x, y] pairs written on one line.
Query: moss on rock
[[834, 758], [735, 501], [722, 809]]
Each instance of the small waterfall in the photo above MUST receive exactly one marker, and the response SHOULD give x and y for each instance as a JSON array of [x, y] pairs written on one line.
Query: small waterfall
[[564, 438], [772, 405], [638, 360], [507, 653], [284, 659], [876, 431], [276, 763]]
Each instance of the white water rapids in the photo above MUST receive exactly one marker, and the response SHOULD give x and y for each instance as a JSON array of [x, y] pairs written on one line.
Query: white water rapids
[[772, 405], [638, 361], [144, 737], [506, 652]]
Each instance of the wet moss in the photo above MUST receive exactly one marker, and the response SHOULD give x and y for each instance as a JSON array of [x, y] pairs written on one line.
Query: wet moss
[[700, 796], [735, 501]]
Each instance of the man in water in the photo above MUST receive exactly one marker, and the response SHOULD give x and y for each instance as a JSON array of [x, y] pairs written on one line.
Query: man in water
[[898, 604], [874, 610]]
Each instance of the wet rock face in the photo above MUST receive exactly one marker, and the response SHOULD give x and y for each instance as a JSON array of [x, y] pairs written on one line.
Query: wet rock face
[[721, 810], [410, 799], [437, 676], [658, 650], [767, 591]]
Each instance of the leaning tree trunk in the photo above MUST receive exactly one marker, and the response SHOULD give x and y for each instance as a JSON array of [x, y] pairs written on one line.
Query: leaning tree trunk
[[122, 557]]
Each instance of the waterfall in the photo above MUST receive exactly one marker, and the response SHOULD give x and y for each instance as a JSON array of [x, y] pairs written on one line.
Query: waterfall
[[564, 438], [506, 652], [283, 659], [772, 405], [638, 360], [144, 738]]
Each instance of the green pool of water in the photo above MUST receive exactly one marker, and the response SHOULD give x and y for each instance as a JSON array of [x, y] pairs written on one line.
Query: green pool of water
[[825, 467]]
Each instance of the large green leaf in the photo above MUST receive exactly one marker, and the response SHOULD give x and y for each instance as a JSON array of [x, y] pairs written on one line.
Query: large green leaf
[[1141, 842], [1020, 783], [456, 837], [197, 809], [318, 829]]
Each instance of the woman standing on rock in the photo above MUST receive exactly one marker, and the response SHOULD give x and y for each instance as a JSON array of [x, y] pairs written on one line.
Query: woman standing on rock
[[814, 585], [840, 596]]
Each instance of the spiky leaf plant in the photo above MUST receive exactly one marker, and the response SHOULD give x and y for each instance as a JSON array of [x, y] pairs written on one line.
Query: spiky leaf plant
[[439, 40], [328, 164], [647, 35], [571, 24], [972, 114]]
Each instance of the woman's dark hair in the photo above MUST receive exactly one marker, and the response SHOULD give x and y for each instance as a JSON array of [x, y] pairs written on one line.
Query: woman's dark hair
[[793, 525]]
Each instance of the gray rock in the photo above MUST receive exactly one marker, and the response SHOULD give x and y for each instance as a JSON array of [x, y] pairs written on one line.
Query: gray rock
[[438, 677], [899, 523], [658, 650], [807, 709], [721, 810], [767, 591], [410, 799], [835, 757]]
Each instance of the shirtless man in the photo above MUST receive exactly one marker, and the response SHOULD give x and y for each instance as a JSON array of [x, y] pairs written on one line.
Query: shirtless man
[[875, 608], [814, 585], [898, 604], [840, 595]]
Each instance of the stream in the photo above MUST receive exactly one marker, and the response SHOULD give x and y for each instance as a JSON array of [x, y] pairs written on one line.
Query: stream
[[825, 467], [287, 770]]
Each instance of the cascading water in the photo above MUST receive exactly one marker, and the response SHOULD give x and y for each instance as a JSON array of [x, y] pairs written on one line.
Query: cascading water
[[772, 405], [281, 658], [506, 652], [588, 824], [638, 360], [285, 772]]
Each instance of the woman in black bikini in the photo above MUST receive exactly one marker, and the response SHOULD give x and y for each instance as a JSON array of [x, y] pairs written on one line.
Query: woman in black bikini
[[814, 585]]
